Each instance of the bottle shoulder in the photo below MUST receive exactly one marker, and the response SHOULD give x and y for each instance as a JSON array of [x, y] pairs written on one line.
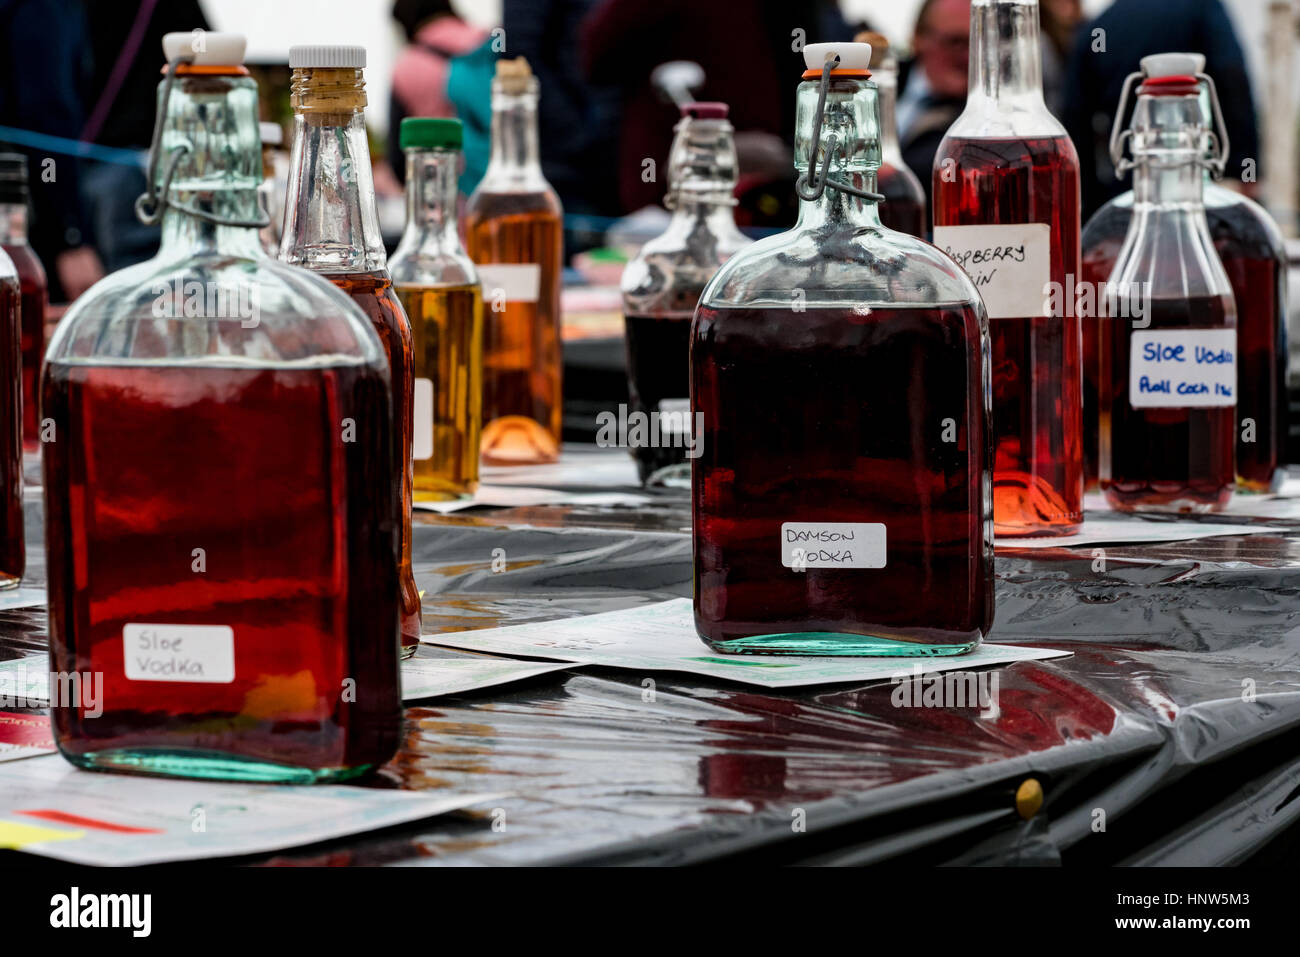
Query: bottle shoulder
[[215, 311], [869, 264], [425, 264], [491, 200]]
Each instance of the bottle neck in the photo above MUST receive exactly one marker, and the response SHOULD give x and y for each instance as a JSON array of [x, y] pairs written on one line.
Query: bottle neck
[[331, 222], [514, 162], [431, 200], [13, 224], [212, 120], [1005, 60], [886, 78], [852, 114], [702, 172]]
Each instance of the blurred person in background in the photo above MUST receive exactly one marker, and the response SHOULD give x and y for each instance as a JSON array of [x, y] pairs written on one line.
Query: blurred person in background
[[1059, 20], [122, 96], [936, 83], [577, 117], [41, 55], [423, 76], [746, 48], [1131, 30]]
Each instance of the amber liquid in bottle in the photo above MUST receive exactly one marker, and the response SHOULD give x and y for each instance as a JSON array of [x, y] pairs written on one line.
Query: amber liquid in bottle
[[233, 461], [1037, 403], [447, 351], [31, 280], [522, 360], [13, 554], [374, 293]]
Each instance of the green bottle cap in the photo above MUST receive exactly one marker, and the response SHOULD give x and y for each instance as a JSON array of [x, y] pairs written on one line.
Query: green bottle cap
[[430, 133]]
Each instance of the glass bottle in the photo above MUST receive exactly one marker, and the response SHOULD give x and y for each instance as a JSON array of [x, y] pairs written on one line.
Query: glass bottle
[[1006, 206], [222, 555], [1168, 338], [14, 195], [13, 548], [904, 205], [275, 179], [514, 233], [842, 497], [1253, 254], [662, 286], [439, 289], [331, 226]]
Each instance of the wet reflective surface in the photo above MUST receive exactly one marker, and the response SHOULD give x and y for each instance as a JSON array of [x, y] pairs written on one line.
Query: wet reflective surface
[[1171, 736]]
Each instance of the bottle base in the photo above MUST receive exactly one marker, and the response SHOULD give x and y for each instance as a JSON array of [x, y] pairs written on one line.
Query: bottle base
[[9, 581], [837, 644], [518, 440], [1174, 503], [163, 762]]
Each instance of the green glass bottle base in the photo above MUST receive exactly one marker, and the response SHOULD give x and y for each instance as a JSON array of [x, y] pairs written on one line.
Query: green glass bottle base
[[161, 762], [823, 644]]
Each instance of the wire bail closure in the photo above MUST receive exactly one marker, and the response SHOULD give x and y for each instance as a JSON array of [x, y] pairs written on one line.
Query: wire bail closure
[[150, 204], [824, 179], [1216, 163]]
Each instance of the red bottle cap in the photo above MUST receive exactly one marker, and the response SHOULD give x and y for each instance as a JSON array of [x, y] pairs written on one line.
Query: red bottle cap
[[705, 111]]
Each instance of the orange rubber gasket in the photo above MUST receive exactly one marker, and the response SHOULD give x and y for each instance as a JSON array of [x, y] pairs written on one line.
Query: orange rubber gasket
[[813, 74], [206, 69]]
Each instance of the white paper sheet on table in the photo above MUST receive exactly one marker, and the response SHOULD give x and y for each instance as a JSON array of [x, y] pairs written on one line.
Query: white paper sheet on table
[[661, 637], [521, 496], [24, 596], [430, 677], [1108, 529], [584, 467], [137, 820], [25, 682]]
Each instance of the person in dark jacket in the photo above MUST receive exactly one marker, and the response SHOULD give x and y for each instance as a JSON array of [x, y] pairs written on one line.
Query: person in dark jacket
[[1111, 47]]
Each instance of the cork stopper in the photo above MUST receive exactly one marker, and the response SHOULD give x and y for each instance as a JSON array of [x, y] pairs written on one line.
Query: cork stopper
[[514, 76], [882, 57]]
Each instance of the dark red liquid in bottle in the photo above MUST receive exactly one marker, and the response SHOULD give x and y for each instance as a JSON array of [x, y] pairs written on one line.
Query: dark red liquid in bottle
[[658, 350], [830, 416], [1255, 263], [299, 546], [904, 206], [1037, 405], [13, 554], [1175, 458], [31, 278], [374, 293]]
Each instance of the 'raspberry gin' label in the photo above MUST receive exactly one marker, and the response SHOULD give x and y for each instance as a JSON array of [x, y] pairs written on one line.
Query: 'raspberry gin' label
[[1011, 266], [201, 653], [832, 545]]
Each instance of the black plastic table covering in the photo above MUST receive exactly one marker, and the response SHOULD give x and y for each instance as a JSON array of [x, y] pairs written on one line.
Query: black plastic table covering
[[1170, 736]]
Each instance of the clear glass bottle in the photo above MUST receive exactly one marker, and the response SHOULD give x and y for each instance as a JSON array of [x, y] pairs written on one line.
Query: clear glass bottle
[[904, 205], [275, 180], [331, 226], [662, 286], [1254, 256], [1168, 337], [842, 497], [14, 196], [219, 504], [515, 235], [439, 289], [1006, 206], [13, 546]]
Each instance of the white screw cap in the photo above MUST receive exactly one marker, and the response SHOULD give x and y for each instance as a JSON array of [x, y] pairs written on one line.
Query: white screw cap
[[853, 56], [205, 48], [316, 56], [1173, 64]]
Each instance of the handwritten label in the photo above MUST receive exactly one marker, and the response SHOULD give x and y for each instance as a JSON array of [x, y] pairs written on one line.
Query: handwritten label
[[179, 653], [517, 282], [422, 421], [1010, 265], [1183, 368], [832, 545]]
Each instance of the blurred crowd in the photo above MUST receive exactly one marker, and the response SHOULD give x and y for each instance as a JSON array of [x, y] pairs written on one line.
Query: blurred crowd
[[78, 80]]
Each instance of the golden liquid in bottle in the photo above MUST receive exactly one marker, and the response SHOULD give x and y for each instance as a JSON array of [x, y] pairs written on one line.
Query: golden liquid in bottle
[[447, 331], [522, 363]]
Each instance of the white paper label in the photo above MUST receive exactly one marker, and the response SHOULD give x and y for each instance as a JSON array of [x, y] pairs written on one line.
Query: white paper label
[[516, 282], [1183, 368], [674, 416], [422, 440], [179, 653], [1010, 265], [832, 545]]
